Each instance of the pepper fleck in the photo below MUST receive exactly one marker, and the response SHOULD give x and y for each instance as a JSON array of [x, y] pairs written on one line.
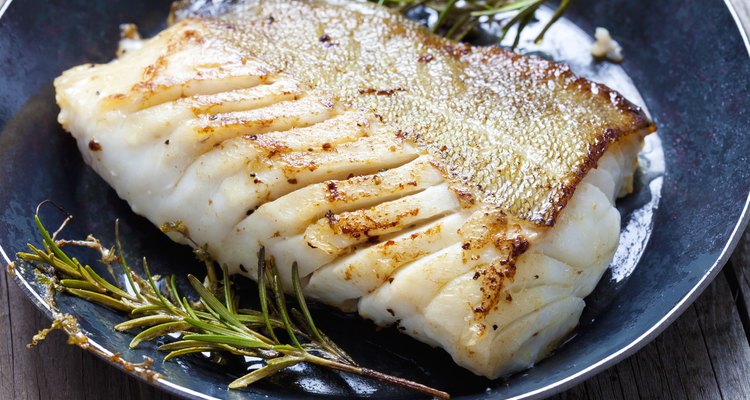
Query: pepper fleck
[[94, 145]]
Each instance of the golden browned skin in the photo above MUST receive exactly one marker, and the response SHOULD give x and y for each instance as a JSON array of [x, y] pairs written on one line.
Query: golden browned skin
[[519, 131]]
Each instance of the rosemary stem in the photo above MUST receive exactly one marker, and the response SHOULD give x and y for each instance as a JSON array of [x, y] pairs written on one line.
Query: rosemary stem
[[366, 372]]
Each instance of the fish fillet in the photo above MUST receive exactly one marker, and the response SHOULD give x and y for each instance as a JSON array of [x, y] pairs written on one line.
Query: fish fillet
[[463, 194]]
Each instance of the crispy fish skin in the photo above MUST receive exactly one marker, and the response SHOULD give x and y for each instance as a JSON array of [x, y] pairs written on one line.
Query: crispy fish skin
[[530, 129], [196, 127]]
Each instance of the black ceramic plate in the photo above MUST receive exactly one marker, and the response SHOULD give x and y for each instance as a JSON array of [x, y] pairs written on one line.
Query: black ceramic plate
[[688, 60]]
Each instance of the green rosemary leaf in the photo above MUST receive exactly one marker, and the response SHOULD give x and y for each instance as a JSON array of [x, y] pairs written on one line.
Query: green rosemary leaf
[[90, 279], [512, 6], [188, 350], [29, 257], [151, 298], [515, 20], [564, 4], [166, 303], [443, 13], [278, 292], [249, 312], [467, 27], [460, 23], [65, 269], [79, 284], [189, 310], [219, 330], [215, 347], [50, 259], [99, 298], [231, 340], [124, 262], [227, 290], [106, 285], [159, 330], [214, 304], [183, 344], [51, 243], [303, 304], [148, 320], [324, 342], [405, 5], [526, 16], [272, 366], [211, 314], [174, 293], [285, 348], [147, 309], [256, 321], [263, 293]]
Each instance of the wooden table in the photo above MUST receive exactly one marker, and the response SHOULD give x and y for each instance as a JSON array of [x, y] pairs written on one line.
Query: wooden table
[[705, 354]]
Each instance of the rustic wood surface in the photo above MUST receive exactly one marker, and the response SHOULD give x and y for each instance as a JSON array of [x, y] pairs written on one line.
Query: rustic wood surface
[[705, 354]]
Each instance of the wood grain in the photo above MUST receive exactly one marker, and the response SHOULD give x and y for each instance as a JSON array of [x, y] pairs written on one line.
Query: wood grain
[[728, 347], [705, 354]]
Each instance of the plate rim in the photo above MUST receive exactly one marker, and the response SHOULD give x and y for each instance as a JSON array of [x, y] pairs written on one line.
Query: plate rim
[[4, 7], [553, 388]]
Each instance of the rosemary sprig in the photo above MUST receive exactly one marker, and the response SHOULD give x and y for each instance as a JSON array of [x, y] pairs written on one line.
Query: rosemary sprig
[[212, 324], [457, 18]]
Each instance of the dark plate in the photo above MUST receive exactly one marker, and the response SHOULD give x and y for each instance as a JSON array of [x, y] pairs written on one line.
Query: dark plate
[[688, 59]]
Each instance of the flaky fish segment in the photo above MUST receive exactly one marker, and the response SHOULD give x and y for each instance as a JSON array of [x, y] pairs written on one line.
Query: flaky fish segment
[[463, 194]]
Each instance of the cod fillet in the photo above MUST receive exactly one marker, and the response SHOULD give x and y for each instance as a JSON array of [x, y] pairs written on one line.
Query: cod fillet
[[463, 194]]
